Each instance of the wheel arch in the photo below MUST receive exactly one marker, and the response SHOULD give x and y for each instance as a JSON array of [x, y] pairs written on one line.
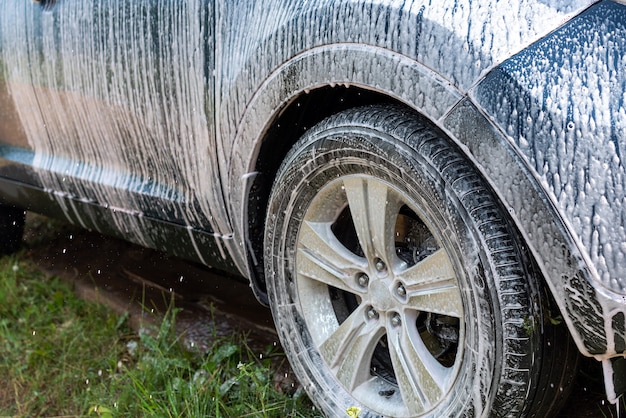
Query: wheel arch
[[302, 92], [310, 87]]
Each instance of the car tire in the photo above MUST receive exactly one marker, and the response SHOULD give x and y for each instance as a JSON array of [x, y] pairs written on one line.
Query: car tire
[[11, 228], [397, 283]]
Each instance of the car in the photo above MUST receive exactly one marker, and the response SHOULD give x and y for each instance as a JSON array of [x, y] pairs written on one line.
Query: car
[[429, 196]]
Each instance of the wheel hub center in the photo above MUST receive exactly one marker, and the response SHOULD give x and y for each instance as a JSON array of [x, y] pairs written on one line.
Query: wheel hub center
[[380, 295]]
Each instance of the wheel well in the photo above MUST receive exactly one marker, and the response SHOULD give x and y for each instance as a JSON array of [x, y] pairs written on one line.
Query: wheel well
[[305, 111]]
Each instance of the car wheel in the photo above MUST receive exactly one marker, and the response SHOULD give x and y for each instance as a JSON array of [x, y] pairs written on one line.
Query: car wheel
[[11, 228], [397, 285]]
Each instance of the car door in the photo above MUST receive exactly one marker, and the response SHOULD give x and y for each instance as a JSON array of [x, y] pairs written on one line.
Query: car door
[[115, 100]]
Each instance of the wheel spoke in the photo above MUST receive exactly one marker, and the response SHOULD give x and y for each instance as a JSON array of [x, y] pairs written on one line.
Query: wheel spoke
[[374, 211], [421, 378], [348, 350], [443, 300], [435, 267], [323, 258], [431, 286]]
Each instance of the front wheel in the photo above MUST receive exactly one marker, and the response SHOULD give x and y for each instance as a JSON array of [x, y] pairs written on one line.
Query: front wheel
[[396, 282]]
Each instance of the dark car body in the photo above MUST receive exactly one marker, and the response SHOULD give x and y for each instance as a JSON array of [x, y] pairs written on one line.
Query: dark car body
[[165, 122]]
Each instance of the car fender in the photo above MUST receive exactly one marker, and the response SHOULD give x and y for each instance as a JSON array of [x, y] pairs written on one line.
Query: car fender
[[558, 110]]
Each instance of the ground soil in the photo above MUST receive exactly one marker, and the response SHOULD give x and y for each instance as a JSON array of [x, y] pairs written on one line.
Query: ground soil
[[143, 283]]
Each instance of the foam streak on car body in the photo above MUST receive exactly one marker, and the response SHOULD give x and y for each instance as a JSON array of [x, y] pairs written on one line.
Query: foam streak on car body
[[109, 87]]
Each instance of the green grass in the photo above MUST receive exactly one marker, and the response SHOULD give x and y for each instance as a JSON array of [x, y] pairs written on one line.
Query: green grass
[[62, 356]]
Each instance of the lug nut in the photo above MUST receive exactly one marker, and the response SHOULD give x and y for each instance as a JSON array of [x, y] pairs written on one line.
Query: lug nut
[[401, 290], [363, 280], [380, 265], [372, 314], [395, 320]]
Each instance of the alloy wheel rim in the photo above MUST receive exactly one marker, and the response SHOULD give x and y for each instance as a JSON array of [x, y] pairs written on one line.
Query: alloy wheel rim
[[379, 296]]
